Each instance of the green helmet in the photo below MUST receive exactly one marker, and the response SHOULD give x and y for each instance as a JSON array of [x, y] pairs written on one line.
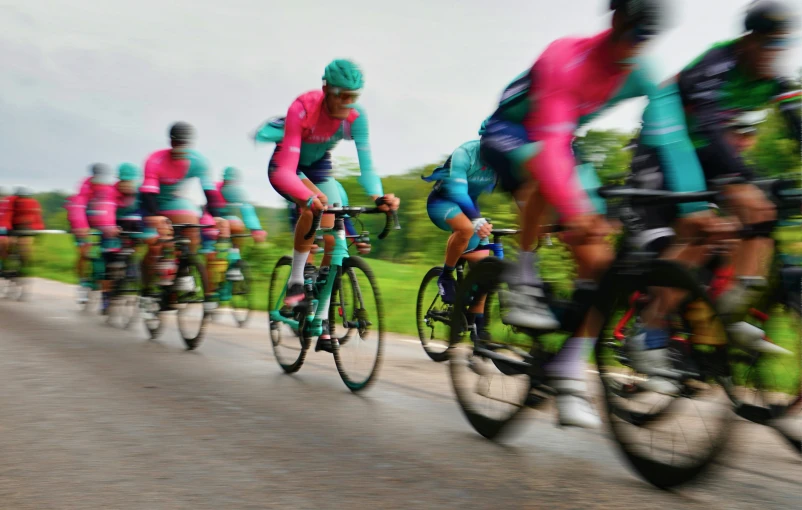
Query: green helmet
[[128, 172], [344, 74], [231, 174]]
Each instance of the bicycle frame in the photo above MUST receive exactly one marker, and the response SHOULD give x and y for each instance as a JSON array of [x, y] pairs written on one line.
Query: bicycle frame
[[319, 308]]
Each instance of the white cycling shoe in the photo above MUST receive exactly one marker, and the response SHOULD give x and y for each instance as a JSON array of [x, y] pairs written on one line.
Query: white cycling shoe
[[234, 275], [654, 363], [185, 283], [573, 407], [527, 308], [751, 338]]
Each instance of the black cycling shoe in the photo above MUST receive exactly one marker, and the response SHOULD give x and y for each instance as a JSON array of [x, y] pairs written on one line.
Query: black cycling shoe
[[295, 294], [448, 288]]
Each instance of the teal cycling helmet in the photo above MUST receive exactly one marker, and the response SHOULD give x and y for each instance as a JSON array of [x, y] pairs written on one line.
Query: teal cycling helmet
[[128, 172], [231, 174], [344, 74]]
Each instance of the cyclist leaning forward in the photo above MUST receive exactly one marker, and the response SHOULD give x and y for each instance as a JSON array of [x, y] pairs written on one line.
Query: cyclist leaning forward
[[528, 143], [316, 121], [719, 90], [166, 172], [453, 205]]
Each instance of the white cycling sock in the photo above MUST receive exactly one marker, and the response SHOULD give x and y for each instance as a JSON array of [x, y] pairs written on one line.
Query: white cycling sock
[[298, 263], [569, 363], [527, 275]]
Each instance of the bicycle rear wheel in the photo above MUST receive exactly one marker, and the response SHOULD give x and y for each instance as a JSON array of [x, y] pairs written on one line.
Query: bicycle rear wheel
[[192, 316], [668, 439], [358, 355], [490, 376], [289, 345], [432, 316], [124, 305], [241, 295]]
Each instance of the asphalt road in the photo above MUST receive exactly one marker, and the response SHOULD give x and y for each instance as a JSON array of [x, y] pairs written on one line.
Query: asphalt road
[[95, 417]]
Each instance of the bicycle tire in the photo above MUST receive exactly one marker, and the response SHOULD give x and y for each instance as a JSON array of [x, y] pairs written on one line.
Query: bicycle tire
[[124, 301], [426, 321], [349, 347], [192, 339], [154, 324], [241, 295], [288, 361], [484, 278], [651, 462]]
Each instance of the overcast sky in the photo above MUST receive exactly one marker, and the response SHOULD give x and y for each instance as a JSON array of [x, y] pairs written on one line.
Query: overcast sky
[[87, 80]]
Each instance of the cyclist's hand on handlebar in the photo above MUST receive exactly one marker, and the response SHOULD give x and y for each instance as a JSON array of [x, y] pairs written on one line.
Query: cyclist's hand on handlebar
[[363, 248], [318, 204], [484, 230], [259, 236], [389, 202], [161, 224]]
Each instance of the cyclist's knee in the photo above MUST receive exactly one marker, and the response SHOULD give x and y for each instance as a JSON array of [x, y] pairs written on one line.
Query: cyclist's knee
[[236, 227], [593, 261], [223, 226], [463, 233]]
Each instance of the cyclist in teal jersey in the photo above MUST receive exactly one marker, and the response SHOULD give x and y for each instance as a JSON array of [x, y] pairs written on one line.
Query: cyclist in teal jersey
[[236, 208], [453, 205], [239, 213]]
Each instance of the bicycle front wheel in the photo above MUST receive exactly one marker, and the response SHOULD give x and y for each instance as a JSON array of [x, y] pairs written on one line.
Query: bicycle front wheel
[[359, 353], [289, 345], [490, 375], [192, 317], [124, 305], [671, 436]]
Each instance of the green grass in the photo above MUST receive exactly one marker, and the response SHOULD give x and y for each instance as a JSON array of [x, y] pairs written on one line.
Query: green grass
[[55, 255], [54, 258]]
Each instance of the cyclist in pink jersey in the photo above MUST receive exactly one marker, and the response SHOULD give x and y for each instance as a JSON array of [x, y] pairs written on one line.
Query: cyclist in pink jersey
[[94, 206], [166, 173], [300, 169], [528, 142]]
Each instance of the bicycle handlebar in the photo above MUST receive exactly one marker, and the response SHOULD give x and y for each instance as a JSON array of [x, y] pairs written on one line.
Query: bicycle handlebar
[[655, 197], [338, 212]]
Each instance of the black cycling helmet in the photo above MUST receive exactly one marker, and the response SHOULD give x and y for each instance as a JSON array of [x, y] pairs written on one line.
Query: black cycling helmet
[[648, 18], [770, 17], [182, 133]]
